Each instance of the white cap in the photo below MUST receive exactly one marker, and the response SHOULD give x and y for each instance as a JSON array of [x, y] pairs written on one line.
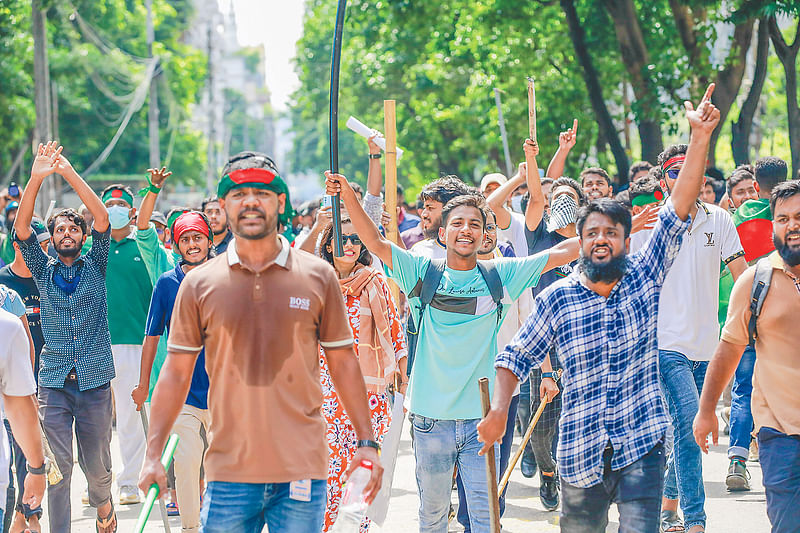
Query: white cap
[[495, 177]]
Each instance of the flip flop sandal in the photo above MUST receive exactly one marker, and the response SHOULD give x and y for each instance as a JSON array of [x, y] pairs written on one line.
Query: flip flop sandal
[[172, 509], [671, 522], [107, 522]]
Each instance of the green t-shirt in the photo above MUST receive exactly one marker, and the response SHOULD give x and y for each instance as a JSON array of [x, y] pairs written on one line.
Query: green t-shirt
[[129, 291], [457, 342]]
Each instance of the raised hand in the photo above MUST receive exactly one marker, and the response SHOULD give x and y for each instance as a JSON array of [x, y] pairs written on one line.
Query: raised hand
[[374, 148], [531, 148], [158, 176], [334, 183], [645, 219], [567, 139], [46, 160], [705, 118]]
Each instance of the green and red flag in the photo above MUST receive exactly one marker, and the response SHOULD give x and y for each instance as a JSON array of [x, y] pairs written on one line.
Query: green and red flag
[[753, 220]]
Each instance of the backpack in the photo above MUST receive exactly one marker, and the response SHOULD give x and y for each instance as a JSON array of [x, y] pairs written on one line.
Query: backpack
[[761, 281], [430, 282]]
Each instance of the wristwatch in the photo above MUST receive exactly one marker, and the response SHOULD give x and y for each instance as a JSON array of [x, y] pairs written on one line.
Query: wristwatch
[[40, 471], [551, 375], [375, 156], [369, 444]]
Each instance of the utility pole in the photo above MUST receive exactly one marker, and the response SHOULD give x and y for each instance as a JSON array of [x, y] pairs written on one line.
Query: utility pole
[[41, 86], [152, 108], [211, 164]]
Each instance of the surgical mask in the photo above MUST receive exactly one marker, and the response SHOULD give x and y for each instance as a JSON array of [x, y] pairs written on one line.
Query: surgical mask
[[563, 212], [516, 203], [118, 216]]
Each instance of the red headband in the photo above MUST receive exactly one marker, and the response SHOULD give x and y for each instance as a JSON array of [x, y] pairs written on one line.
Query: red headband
[[250, 175], [672, 161], [189, 222]]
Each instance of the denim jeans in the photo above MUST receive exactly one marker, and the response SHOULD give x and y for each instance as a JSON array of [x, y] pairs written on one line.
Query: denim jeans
[[90, 412], [682, 381], [741, 416], [779, 455], [636, 489], [247, 507], [523, 417], [439, 446], [505, 455]]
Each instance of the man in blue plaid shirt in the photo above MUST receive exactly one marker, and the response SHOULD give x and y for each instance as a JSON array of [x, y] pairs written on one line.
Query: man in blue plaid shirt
[[602, 319]]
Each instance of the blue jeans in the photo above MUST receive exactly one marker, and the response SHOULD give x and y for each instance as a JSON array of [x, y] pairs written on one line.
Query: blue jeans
[[779, 455], [682, 380], [247, 507], [505, 455], [636, 489], [741, 416], [439, 446], [90, 413]]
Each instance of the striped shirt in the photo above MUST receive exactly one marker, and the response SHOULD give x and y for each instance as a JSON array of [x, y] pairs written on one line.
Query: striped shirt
[[609, 353], [75, 326]]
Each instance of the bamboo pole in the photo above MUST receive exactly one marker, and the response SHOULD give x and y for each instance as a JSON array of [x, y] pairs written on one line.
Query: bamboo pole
[[491, 465], [531, 109], [390, 127]]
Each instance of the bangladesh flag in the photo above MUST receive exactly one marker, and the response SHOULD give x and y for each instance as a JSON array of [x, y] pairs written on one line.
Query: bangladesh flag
[[753, 220]]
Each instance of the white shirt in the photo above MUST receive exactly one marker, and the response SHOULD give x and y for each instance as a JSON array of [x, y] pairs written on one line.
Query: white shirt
[[16, 379], [515, 234], [689, 301]]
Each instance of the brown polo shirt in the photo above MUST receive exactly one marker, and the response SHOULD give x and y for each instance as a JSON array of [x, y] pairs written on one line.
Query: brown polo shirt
[[776, 376], [261, 332]]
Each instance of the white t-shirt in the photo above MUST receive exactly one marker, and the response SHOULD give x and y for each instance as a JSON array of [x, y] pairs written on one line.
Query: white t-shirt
[[515, 234], [689, 301], [16, 379]]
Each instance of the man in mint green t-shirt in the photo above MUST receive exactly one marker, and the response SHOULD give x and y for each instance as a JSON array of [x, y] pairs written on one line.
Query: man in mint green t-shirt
[[456, 346]]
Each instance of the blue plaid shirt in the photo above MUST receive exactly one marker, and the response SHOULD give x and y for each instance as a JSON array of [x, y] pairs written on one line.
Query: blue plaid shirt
[[609, 353], [75, 326]]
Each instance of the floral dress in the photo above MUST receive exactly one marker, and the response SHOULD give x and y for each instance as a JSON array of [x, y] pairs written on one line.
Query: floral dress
[[341, 435]]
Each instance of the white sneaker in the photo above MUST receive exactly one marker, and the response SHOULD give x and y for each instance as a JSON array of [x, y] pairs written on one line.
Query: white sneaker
[[129, 495]]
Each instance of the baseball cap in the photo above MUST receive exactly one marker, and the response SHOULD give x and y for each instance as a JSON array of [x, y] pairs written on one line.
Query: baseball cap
[[495, 177], [39, 229], [11, 205], [159, 217]]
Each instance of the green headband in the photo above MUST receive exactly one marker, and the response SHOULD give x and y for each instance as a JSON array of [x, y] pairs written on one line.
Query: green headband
[[258, 178], [647, 199], [120, 194]]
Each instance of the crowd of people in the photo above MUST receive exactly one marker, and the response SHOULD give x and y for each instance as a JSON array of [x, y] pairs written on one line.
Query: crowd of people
[[277, 354]]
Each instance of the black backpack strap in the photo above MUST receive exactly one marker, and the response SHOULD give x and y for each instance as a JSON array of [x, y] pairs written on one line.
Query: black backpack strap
[[761, 281], [492, 278], [430, 282]]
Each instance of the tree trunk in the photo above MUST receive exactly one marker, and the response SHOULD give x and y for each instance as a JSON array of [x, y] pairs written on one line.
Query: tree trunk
[[636, 59], [742, 128], [593, 86], [41, 89], [729, 79], [788, 56]]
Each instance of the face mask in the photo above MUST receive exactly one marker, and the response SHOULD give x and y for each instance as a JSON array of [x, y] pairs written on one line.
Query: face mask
[[516, 203], [118, 216], [563, 212]]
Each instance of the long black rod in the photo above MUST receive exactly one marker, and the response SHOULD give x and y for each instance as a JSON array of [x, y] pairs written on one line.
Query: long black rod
[[333, 124]]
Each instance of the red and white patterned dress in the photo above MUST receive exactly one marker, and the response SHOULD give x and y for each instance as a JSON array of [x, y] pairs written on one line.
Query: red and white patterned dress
[[341, 434]]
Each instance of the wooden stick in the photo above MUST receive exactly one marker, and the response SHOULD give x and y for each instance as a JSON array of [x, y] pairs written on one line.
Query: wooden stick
[[491, 466], [531, 109], [390, 127]]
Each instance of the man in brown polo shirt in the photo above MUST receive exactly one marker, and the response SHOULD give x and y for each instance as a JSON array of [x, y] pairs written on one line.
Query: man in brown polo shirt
[[260, 310], [776, 400]]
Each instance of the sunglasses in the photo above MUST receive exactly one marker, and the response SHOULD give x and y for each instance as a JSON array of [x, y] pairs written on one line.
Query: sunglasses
[[673, 173], [354, 240], [491, 227]]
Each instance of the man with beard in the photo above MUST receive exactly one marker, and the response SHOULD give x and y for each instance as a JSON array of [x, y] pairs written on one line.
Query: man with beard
[[434, 196], [456, 344], [688, 331], [219, 223], [260, 311], [775, 400], [193, 241], [76, 362], [602, 318], [596, 183]]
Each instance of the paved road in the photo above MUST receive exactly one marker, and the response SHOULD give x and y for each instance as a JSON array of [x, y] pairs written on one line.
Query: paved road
[[727, 513]]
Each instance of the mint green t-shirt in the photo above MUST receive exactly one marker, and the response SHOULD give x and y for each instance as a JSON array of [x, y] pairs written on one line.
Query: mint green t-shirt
[[457, 342]]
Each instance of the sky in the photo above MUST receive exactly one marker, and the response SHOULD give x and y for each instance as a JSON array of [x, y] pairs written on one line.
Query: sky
[[277, 24]]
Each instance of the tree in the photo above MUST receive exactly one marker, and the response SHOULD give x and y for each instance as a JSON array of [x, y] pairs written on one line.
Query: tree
[[787, 53], [742, 128]]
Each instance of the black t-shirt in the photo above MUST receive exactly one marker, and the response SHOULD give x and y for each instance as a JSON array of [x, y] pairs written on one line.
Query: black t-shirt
[[27, 290], [540, 240]]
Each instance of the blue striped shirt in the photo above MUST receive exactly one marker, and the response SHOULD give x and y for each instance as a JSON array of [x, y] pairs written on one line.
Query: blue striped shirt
[[75, 326], [609, 352]]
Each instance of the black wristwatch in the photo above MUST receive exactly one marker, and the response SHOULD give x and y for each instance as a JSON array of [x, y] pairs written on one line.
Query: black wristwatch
[[551, 375], [375, 156], [40, 471], [369, 444]]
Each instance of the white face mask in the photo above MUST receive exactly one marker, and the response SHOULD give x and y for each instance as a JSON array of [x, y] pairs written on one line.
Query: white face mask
[[516, 203]]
